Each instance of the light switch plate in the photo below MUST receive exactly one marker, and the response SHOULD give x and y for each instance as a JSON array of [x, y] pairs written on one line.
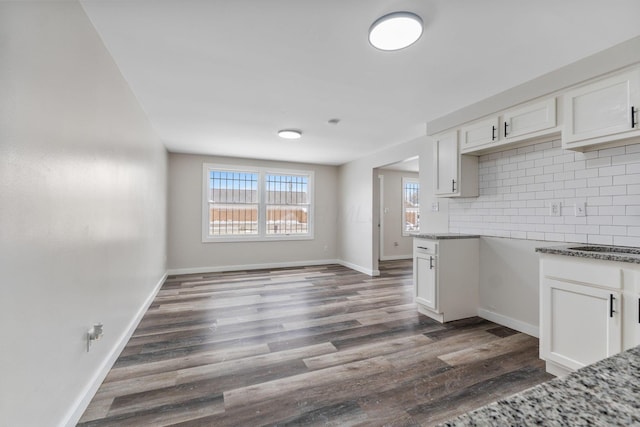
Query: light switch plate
[[554, 208], [435, 206], [581, 208]]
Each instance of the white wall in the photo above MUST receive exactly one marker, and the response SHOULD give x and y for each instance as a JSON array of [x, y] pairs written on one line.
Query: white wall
[[394, 244], [508, 287], [82, 210], [187, 253], [357, 218]]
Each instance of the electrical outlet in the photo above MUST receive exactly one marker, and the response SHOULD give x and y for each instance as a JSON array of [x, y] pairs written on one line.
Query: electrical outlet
[[554, 208], [581, 208], [435, 207]]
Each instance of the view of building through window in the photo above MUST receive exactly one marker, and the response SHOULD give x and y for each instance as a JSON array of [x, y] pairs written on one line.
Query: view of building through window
[[410, 205], [257, 203], [233, 203]]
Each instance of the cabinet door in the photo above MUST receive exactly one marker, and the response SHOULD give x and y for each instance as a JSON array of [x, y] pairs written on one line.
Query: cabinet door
[[631, 320], [425, 274], [580, 324], [479, 133], [602, 108], [529, 119], [446, 155]]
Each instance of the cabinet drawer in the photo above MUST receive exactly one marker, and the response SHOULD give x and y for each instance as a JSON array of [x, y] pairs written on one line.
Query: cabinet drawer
[[423, 246], [586, 271]]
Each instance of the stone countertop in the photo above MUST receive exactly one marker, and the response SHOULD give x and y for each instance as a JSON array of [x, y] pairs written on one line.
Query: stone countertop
[[444, 236], [612, 253], [606, 393]]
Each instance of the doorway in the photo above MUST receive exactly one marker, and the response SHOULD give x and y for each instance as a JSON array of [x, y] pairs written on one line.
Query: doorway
[[396, 206]]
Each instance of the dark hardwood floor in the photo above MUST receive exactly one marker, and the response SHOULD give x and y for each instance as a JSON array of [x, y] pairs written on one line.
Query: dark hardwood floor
[[307, 346]]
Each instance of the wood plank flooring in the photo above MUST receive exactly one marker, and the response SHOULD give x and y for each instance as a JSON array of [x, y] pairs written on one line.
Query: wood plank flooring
[[307, 347]]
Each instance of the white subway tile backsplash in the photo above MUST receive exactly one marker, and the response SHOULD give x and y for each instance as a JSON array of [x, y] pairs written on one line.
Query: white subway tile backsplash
[[586, 173], [598, 162], [633, 189], [614, 230], [626, 158], [626, 241], [626, 179], [587, 192], [553, 169], [600, 181], [600, 239], [614, 190], [517, 186], [612, 170], [611, 151]]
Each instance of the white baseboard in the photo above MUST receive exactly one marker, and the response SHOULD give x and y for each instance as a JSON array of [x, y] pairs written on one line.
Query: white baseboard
[[509, 322], [395, 257], [81, 404], [359, 268], [242, 267]]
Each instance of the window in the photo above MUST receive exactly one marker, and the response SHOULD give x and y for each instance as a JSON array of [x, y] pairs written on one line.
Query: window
[[253, 204], [410, 206]]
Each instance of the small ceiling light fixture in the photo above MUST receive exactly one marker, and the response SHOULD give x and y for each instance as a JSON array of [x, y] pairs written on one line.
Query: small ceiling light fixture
[[395, 31], [290, 133], [333, 121]]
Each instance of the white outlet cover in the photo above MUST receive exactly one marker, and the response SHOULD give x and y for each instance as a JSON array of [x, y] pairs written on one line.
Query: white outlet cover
[[435, 206], [555, 209], [581, 208]]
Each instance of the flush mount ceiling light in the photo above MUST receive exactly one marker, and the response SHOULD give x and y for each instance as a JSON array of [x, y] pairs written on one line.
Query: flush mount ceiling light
[[395, 31], [290, 133]]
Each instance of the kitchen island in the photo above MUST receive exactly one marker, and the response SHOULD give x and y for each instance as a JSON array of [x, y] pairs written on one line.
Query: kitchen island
[[606, 393]]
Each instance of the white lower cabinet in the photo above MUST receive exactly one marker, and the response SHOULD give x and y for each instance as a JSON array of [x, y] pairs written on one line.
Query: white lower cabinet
[[443, 290], [583, 323], [425, 268], [589, 310]]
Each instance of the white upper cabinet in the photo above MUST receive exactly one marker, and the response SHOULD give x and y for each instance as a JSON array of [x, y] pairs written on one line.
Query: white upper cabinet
[[529, 119], [602, 111], [479, 134], [519, 124], [454, 175], [445, 152]]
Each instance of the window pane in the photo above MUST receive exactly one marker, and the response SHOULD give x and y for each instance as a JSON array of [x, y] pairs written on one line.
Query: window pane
[[286, 219], [233, 203], [233, 187], [230, 220], [287, 189], [411, 206]]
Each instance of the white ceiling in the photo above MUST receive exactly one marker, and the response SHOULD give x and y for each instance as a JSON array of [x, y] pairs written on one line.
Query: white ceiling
[[222, 76]]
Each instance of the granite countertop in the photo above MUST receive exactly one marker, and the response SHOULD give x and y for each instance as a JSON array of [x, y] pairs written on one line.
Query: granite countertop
[[443, 236], [606, 253], [606, 393]]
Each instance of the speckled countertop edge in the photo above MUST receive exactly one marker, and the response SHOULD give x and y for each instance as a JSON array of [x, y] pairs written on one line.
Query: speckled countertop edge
[[444, 236], [606, 393], [605, 256]]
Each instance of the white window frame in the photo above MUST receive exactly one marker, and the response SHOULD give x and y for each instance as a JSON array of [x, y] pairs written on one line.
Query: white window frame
[[262, 235], [407, 180]]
